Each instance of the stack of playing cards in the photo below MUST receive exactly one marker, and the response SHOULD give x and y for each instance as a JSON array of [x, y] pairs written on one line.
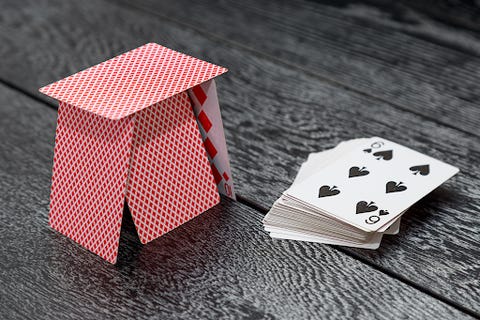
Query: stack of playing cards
[[355, 193]]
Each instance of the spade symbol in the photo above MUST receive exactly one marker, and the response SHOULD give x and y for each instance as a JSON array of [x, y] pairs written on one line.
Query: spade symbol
[[383, 212], [363, 206], [423, 169], [357, 172], [385, 155], [367, 150], [392, 186], [327, 191]]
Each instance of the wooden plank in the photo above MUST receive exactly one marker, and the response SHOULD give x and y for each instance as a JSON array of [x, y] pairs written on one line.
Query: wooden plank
[[461, 14], [274, 116], [220, 265], [363, 47]]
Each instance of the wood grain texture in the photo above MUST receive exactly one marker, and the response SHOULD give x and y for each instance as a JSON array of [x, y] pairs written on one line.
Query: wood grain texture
[[463, 14], [400, 57], [219, 265], [274, 116]]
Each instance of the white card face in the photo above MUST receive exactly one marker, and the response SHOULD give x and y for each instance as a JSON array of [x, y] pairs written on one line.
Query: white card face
[[316, 161], [207, 112], [372, 184]]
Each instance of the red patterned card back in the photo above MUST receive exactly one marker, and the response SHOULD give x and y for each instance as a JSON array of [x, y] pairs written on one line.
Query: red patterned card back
[[170, 179], [132, 81], [91, 161]]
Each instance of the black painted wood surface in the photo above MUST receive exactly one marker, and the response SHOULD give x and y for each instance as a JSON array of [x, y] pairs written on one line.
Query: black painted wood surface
[[395, 56], [219, 265], [461, 14], [278, 107]]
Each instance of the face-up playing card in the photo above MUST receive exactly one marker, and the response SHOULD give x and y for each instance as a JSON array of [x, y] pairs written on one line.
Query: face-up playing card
[[372, 184], [316, 161], [289, 219], [295, 219], [207, 111]]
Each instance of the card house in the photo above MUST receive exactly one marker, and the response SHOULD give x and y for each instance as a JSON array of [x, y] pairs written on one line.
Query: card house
[[142, 128]]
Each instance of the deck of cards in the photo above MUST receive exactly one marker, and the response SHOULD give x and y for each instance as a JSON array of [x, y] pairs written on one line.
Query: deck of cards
[[355, 193]]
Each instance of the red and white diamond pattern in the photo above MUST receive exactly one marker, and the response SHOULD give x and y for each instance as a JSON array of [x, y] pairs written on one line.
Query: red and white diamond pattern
[[205, 105], [90, 169], [159, 150], [132, 81], [170, 179], [115, 140]]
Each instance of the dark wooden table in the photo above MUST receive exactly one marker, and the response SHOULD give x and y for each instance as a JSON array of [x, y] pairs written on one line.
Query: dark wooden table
[[304, 76]]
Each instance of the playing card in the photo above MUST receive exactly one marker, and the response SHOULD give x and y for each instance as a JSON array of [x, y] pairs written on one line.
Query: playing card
[[290, 219], [172, 130], [207, 110], [372, 184], [295, 218], [316, 161]]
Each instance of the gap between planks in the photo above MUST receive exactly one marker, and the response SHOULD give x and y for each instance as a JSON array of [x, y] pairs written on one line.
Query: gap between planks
[[263, 210]]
